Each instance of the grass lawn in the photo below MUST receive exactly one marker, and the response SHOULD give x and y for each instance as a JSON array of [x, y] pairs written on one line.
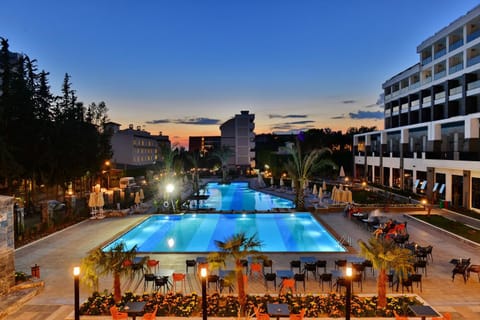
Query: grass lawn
[[452, 226]]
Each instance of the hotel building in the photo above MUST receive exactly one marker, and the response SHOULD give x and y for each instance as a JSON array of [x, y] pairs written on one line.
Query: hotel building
[[237, 133], [430, 143]]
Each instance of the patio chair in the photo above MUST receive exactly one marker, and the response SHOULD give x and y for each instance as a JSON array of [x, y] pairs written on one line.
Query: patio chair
[[161, 282], [321, 264], [267, 264], [429, 249], [224, 284], [287, 284], [420, 264], [256, 268], [399, 317], [369, 264], [272, 277], [358, 278], [260, 315], [326, 277], [151, 315], [340, 263], [212, 278], [148, 277], [117, 315], [151, 263], [311, 267], [299, 277], [295, 264], [297, 316], [179, 277], [190, 264], [341, 282], [417, 278], [407, 283], [461, 268]]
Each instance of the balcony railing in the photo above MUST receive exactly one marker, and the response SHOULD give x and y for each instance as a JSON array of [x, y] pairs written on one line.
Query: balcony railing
[[440, 95], [456, 45], [427, 80], [455, 68], [455, 91], [474, 35], [440, 53], [440, 74], [427, 100], [415, 85], [472, 61], [427, 60], [473, 85]]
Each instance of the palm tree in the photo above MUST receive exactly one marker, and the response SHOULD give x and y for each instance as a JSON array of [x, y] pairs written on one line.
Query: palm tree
[[300, 167], [237, 247], [223, 154], [114, 262], [385, 255]]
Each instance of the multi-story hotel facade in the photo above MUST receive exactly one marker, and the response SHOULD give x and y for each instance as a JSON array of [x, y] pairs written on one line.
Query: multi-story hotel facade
[[430, 143]]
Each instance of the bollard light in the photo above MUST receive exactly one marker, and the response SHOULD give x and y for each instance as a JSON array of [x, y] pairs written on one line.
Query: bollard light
[[76, 286], [203, 275], [348, 296]]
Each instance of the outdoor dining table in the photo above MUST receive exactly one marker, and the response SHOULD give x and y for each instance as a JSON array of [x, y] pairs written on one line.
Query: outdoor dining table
[[284, 274], [134, 309], [278, 310], [423, 311]]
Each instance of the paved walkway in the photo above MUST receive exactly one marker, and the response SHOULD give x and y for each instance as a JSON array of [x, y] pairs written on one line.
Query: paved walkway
[[59, 253]]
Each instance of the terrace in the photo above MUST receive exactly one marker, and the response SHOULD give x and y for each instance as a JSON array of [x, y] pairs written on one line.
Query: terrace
[[58, 254]]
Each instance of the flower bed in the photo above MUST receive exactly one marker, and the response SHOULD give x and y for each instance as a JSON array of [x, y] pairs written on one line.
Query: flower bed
[[179, 305]]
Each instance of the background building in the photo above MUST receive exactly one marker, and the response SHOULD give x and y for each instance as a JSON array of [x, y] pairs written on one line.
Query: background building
[[430, 143], [136, 147], [203, 144], [237, 133]]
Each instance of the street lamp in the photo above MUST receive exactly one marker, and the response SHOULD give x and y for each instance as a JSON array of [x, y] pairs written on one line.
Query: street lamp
[[203, 275], [76, 282], [169, 188], [348, 296]]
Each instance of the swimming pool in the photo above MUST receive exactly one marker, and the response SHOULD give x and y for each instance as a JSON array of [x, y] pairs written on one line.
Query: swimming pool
[[278, 232], [238, 196]]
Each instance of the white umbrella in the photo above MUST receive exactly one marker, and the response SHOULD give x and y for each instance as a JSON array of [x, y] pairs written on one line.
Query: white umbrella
[[281, 182], [349, 196], [137, 198], [314, 190], [320, 193], [142, 196], [91, 200], [100, 201], [261, 183], [293, 184], [342, 172], [271, 181], [334, 194], [324, 185]]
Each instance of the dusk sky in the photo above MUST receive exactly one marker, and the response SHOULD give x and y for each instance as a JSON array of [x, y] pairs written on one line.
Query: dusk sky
[[185, 67]]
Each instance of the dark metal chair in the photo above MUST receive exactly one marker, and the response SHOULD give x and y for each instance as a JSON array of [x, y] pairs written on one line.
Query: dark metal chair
[[321, 264], [190, 264], [299, 277], [417, 278], [272, 277], [326, 277], [295, 264], [311, 267], [148, 277], [268, 264]]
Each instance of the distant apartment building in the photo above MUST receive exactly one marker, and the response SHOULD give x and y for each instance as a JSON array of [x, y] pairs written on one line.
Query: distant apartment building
[[237, 133], [430, 143], [204, 144], [136, 147]]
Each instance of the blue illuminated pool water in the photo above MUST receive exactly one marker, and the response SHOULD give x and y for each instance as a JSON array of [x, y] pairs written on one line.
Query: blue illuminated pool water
[[239, 197], [278, 232]]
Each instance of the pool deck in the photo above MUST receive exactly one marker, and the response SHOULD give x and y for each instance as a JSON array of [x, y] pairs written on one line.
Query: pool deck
[[59, 253]]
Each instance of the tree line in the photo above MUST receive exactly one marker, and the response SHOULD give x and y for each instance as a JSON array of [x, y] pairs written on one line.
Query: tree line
[[45, 140]]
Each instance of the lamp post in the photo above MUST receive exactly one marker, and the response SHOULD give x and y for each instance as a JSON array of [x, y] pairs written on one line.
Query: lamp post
[[348, 296], [76, 282], [169, 188], [203, 275]]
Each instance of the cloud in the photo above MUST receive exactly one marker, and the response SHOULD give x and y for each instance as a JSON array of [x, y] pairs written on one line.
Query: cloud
[[338, 117], [348, 101], [293, 125], [190, 121], [274, 116], [366, 115]]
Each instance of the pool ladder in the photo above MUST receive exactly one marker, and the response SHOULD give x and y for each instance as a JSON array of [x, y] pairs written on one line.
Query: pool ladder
[[346, 240]]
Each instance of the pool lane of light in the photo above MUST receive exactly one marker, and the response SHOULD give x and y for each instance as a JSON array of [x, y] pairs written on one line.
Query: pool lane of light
[[238, 196], [278, 232]]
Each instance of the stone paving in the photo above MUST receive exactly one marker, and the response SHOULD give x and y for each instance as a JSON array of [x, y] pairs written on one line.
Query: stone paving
[[59, 253]]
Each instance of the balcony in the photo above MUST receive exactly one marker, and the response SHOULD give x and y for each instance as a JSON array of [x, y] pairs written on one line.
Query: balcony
[[427, 100], [440, 74], [456, 90], [427, 60], [472, 61], [455, 68], [456, 45], [440, 53], [440, 95], [427, 80], [473, 85], [474, 35]]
